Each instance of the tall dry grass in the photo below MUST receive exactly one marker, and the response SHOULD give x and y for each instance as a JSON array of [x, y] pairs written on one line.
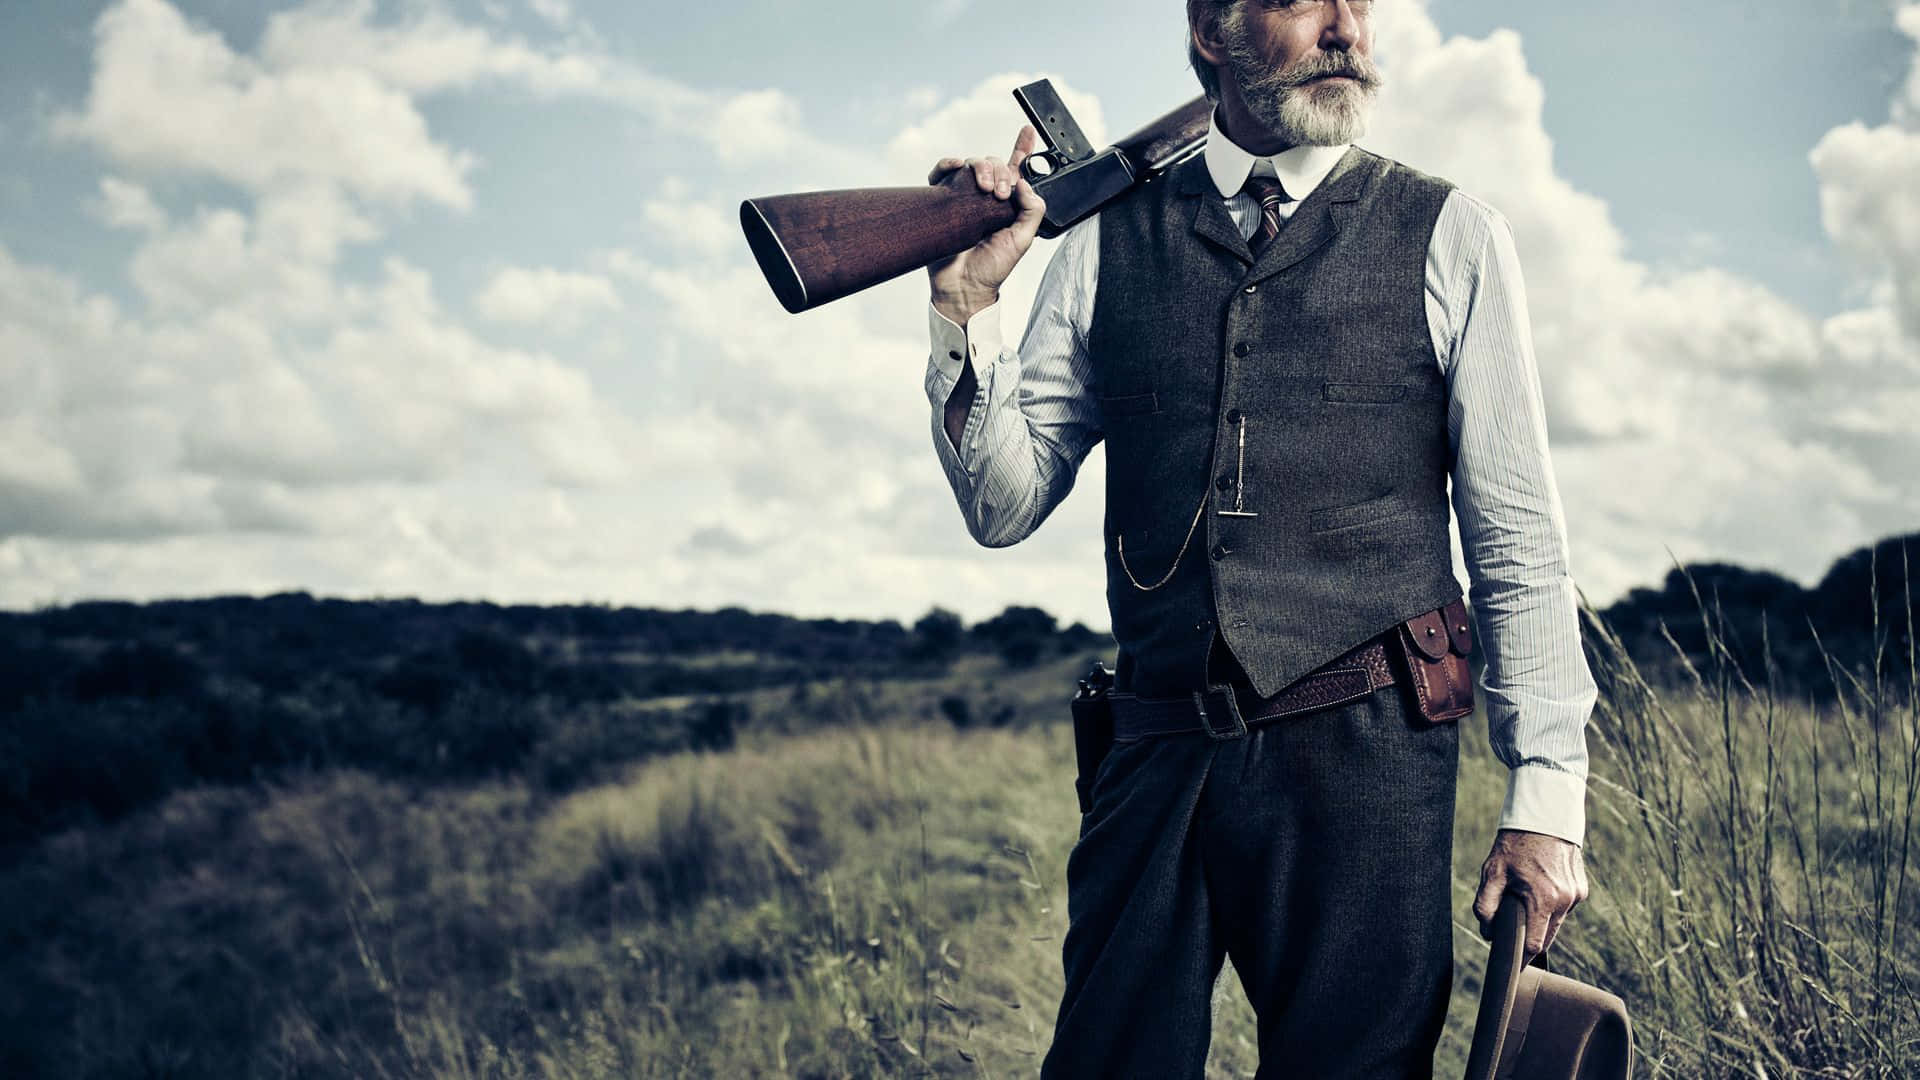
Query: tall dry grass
[[887, 899], [1759, 909]]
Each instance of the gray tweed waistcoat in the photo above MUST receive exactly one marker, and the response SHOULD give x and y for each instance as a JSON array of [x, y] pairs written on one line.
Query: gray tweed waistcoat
[[1318, 356]]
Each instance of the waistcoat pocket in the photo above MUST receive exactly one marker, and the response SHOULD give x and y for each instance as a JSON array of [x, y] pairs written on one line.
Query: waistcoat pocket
[[1339, 517], [1364, 393], [1130, 404]]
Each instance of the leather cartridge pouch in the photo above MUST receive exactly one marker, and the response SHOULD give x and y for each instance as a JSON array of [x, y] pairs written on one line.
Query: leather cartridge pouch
[[1092, 730], [1434, 646]]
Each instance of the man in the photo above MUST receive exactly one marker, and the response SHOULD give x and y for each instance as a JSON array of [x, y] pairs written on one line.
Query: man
[[1309, 340]]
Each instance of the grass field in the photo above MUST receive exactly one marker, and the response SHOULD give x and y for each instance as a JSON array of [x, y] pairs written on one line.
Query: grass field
[[885, 897]]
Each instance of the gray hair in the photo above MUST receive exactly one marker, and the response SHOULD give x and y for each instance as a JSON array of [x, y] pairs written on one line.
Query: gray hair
[[1232, 24]]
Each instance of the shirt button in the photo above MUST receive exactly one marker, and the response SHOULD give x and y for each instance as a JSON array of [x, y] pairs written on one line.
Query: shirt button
[[953, 354], [1242, 349], [1219, 552], [1223, 481], [1233, 416]]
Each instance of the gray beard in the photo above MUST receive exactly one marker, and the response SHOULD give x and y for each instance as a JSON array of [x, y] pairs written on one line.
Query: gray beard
[[1313, 114]]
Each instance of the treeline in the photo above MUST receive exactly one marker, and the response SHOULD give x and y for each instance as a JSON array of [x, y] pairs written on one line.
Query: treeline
[[107, 706], [421, 654], [1803, 642]]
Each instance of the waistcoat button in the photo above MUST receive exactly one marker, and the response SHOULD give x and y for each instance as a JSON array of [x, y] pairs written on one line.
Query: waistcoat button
[[1219, 552], [1233, 416], [1242, 349], [1224, 481], [1249, 289]]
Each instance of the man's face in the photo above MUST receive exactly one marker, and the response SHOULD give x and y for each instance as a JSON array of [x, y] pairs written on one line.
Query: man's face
[[1304, 67]]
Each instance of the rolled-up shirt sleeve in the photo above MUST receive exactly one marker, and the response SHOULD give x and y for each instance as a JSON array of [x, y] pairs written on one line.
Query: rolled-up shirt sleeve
[[1034, 416], [1538, 689]]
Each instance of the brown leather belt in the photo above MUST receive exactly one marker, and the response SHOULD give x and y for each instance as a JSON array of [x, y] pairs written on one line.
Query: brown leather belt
[[1217, 711]]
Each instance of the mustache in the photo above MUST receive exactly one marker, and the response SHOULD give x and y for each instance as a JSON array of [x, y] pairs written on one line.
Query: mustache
[[1358, 68]]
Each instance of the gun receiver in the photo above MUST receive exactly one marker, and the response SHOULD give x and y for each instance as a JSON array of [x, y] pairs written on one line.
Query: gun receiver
[[818, 246]]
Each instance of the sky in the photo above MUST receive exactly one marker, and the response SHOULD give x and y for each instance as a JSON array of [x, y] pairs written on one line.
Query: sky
[[449, 300]]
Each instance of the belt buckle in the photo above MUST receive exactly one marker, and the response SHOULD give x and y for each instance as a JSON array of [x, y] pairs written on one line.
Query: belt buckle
[[1239, 726]]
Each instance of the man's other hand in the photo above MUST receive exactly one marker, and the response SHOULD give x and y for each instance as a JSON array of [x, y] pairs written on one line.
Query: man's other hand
[[1545, 871]]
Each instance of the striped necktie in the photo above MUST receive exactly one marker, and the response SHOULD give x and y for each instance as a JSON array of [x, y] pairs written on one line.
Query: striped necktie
[[1271, 194]]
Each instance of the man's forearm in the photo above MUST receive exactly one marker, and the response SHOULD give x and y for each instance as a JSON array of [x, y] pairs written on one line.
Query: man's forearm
[[1007, 468], [1539, 696], [1012, 426], [1539, 692], [973, 395]]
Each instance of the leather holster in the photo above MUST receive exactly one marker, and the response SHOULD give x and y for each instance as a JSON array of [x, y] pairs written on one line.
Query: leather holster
[[1434, 646], [1092, 730]]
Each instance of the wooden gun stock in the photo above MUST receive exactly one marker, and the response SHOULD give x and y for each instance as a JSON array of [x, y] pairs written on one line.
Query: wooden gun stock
[[815, 247], [819, 246]]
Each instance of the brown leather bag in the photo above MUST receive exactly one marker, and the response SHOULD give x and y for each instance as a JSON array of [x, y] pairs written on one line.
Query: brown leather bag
[[1434, 646]]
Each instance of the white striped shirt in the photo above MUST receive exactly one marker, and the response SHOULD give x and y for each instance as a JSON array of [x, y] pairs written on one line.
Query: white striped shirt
[[1034, 418]]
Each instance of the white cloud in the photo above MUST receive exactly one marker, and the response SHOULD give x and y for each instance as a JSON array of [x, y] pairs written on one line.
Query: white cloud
[[433, 52], [432, 390], [271, 413], [260, 379], [1678, 402], [198, 419], [701, 232], [557, 12], [167, 95], [1868, 177], [127, 205], [944, 12], [984, 121], [329, 100], [543, 295], [805, 439], [1906, 104], [276, 263]]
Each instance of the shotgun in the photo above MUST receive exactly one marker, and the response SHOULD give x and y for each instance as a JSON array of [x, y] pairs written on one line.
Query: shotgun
[[818, 246]]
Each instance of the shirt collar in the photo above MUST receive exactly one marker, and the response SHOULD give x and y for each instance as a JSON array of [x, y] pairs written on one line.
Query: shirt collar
[[1299, 168]]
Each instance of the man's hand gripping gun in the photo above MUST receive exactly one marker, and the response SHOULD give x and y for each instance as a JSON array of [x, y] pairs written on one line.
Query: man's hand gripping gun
[[818, 246]]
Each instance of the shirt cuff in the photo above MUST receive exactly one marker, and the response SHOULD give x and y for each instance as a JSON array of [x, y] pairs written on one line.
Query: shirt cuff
[[1547, 800], [953, 347], [952, 342]]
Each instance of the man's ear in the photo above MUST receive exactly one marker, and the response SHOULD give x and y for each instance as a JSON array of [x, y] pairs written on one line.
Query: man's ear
[[1203, 26]]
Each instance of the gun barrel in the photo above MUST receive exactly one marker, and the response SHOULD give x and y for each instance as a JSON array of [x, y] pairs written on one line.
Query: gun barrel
[[1166, 141], [818, 246]]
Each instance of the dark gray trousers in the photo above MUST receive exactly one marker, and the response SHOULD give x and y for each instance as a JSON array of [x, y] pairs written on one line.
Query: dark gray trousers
[[1315, 851]]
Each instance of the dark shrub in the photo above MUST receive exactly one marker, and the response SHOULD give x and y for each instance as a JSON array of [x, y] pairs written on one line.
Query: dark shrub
[[1021, 635], [936, 637], [957, 710], [484, 732], [712, 726], [492, 659], [590, 744], [424, 680], [140, 670]]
